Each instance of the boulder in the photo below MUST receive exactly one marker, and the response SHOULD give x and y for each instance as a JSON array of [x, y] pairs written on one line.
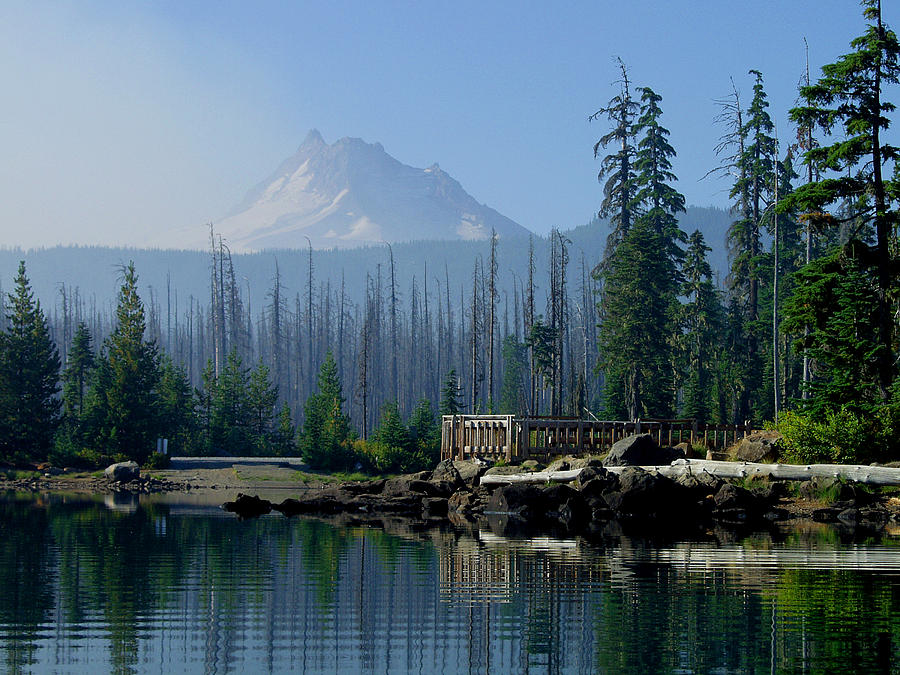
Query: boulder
[[761, 446], [248, 506], [526, 501], [447, 472], [640, 450], [567, 505], [641, 493], [561, 464], [434, 507], [470, 471], [736, 503], [123, 472], [467, 502], [411, 482]]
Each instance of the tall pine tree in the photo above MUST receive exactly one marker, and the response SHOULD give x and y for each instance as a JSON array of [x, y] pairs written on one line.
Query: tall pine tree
[[848, 102], [29, 373]]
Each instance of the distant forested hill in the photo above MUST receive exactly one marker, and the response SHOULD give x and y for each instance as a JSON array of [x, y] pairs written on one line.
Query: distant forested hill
[[94, 271]]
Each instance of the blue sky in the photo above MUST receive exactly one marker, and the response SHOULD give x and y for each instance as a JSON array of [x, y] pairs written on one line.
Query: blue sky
[[123, 120]]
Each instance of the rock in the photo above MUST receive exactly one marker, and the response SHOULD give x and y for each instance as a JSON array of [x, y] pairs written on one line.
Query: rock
[[760, 446], [561, 464], [641, 493], [368, 487], [434, 507], [827, 489], [687, 449], [526, 501], [122, 472], [640, 450], [447, 472], [731, 499], [443, 488], [248, 506], [584, 462], [566, 505], [700, 484], [849, 517], [531, 465], [411, 482], [470, 471], [467, 502]]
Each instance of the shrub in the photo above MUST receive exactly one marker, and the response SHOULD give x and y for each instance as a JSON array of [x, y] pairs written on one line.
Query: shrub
[[844, 436]]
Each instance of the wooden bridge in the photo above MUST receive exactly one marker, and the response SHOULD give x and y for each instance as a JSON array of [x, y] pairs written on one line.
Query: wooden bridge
[[509, 437]]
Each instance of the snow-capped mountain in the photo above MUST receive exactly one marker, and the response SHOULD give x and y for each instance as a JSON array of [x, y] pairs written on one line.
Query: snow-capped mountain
[[353, 193]]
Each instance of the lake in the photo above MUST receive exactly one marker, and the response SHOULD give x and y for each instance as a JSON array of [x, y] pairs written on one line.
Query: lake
[[162, 586]]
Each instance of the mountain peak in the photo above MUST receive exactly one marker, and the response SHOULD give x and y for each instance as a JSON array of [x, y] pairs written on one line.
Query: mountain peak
[[353, 193], [313, 138]]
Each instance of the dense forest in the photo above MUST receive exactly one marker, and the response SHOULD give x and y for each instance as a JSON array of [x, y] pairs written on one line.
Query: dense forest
[[801, 332]]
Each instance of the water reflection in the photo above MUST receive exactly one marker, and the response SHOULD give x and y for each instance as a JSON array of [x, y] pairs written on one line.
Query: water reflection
[[135, 587]]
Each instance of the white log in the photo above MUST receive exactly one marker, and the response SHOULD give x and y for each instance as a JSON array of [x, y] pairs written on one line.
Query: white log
[[869, 475], [536, 477]]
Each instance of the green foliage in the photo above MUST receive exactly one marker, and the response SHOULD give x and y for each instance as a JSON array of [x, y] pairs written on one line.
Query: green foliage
[[634, 337], [847, 101], [124, 396], [29, 371], [157, 460], [176, 407], [841, 436], [701, 319], [830, 314], [450, 395], [398, 448], [325, 437], [515, 362]]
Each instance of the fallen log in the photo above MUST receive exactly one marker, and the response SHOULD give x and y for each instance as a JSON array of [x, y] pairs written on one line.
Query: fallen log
[[868, 475]]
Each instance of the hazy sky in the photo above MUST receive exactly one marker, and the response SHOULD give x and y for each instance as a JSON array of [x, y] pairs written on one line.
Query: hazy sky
[[121, 120]]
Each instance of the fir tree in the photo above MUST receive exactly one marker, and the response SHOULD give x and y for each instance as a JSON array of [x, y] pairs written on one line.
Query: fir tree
[[326, 432], [640, 284], [77, 374], [262, 396], [29, 372], [450, 404], [701, 319], [847, 101], [515, 362], [124, 397], [176, 407], [617, 168]]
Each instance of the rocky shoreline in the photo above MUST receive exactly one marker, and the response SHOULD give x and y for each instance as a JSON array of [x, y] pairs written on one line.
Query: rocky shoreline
[[453, 493]]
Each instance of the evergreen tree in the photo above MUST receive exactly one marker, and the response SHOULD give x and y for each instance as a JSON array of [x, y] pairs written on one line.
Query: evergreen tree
[[515, 362], [702, 320], [262, 397], [230, 413], [834, 300], [640, 283], [283, 443], [636, 326], [753, 189], [29, 372], [848, 101], [77, 375], [450, 404], [124, 397], [325, 435], [618, 167], [176, 407]]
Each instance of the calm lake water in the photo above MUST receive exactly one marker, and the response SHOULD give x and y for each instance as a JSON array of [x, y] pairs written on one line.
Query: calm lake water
[[166, 587]]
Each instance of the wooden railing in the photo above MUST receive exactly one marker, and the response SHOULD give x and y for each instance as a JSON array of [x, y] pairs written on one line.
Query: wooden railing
[[507, 437]]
